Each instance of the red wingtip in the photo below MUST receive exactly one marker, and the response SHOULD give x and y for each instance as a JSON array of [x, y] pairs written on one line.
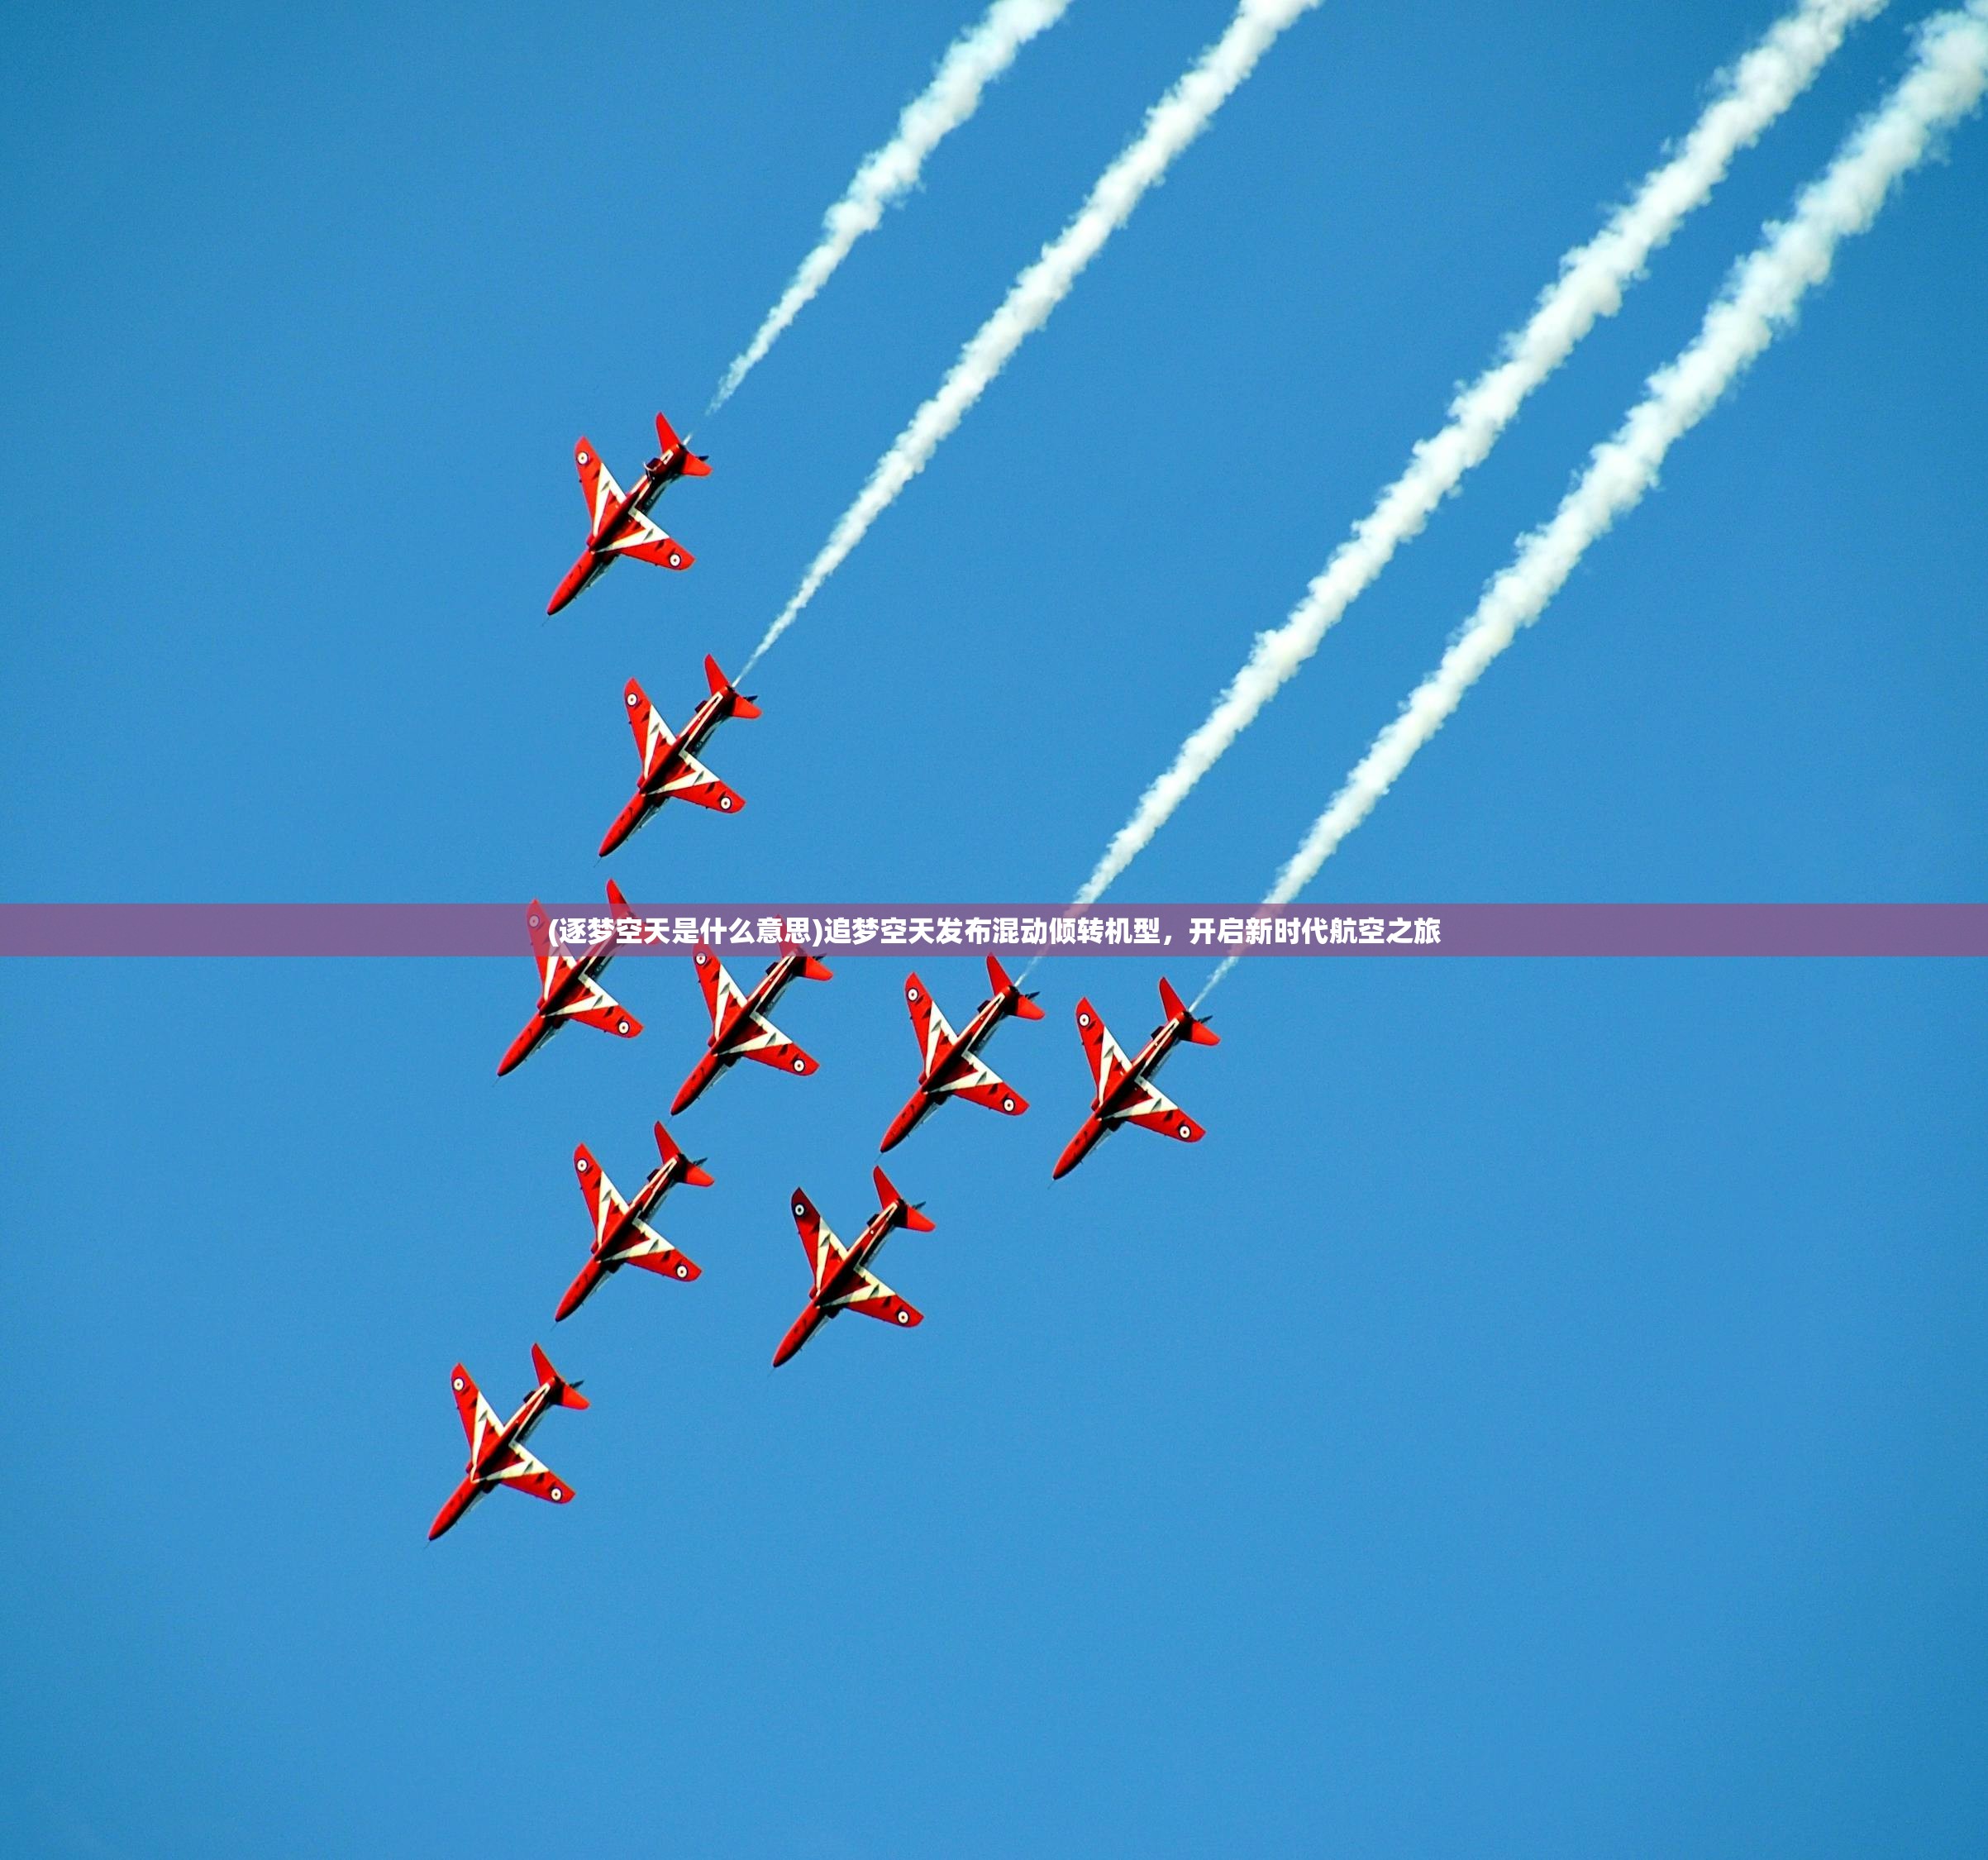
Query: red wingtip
[[888, 1195], [617, 902]]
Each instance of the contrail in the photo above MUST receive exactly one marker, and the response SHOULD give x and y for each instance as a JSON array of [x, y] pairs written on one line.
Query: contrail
[[972, 62], [1170, 126], [1758, 301], [1592, 277]]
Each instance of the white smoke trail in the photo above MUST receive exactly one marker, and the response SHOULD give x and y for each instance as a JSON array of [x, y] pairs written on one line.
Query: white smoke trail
[[1758, 301], [1169, 126], [1592, 277], [972, 62]]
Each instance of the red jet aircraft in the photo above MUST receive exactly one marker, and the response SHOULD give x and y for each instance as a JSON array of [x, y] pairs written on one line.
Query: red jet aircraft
[[497, 1448], [842, 1279], [567, 987], [622, 1233], [618, 520], [670, 764], [739, 1027], [1126, 1092], [951, 1067]]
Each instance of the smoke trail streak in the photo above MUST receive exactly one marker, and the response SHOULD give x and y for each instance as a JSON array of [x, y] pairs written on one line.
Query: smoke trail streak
[[972, 62], [1592, 278], [1758, 301], [1169, 126]]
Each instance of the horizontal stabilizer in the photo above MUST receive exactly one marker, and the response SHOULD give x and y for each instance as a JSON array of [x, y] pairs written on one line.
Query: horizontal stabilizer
[[667, 442], [563, 1391], [887, 1197], [667, 1148], [811, 967], [1025, 1005], [1199, 1030], [742, 705]]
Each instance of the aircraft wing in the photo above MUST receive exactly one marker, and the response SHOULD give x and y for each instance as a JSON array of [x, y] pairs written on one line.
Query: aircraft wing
[[523, 1473], [646, 542], [723, 1000], [757, 1038], [554, 960], [694, 783], [652, 735], [1156, 1111], [554, 967], [825, 1251], [649, 1250], [1108, 1064], [597, 1008], [479, 1419], [926, 1022], [604, 1201], [987, 1087], [874, 1299], [597, 486]]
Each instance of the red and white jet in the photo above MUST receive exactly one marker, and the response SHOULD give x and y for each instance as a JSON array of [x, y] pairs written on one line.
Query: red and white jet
[[569, 988], [622, 1233], [950, 1067], [670, 769], [1126, 1092], [618, 521], [842, 1279], [739, 1027], [497, 1448]]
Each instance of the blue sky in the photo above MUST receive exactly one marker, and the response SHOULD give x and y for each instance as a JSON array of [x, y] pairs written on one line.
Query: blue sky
[[1545, 1417]]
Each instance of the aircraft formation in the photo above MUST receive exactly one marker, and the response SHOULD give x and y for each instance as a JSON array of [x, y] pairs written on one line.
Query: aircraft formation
[[950, 1065]]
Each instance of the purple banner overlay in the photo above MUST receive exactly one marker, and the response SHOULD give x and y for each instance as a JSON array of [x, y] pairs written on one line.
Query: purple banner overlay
[[1018, 931]]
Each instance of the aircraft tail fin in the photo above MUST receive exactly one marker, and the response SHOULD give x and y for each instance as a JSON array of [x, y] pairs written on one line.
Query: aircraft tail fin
[[888, 1194], [811, 966], [668, 1148], [742, 705], [998, 978], [1199, 1030], [566, 1394], [667, 440], [616, 902]]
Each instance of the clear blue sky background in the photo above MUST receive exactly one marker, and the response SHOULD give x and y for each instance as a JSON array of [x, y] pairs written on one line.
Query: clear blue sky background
[[1547, 1415]]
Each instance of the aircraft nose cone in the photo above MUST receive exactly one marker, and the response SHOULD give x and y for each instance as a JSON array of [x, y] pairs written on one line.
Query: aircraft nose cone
[[800, 1331], [1074, 1152]]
